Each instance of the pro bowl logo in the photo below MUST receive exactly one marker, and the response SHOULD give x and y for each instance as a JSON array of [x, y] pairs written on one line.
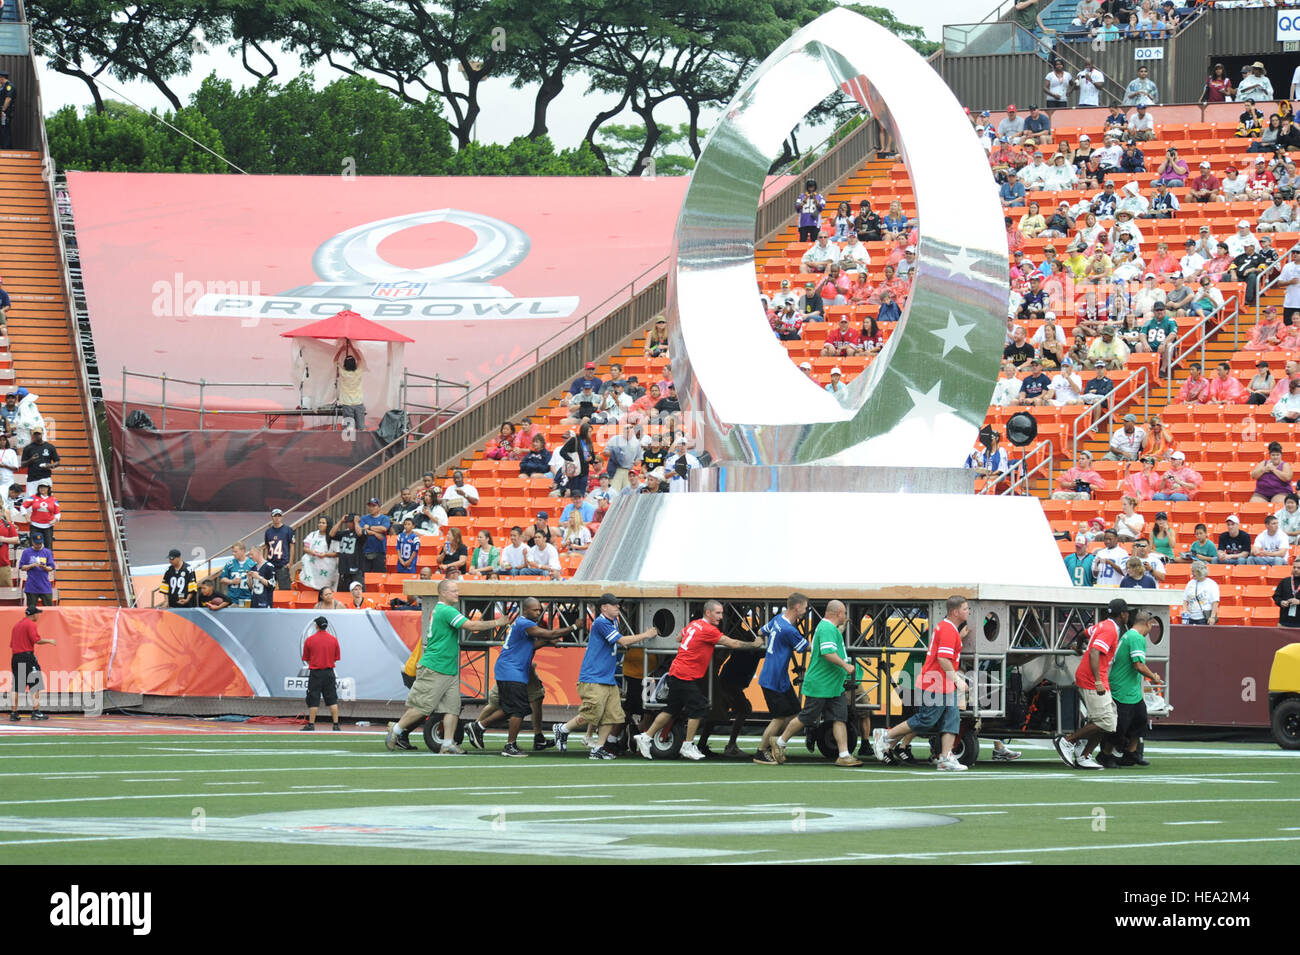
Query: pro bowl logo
[[354, 276]]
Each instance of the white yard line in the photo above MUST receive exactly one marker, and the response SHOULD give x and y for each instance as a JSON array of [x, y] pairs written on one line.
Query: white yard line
[[1197, 822]]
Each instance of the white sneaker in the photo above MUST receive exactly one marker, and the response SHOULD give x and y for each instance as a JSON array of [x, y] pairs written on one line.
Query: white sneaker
[[691, 751], [1005, 755], [1087, 762], [1065, 749], [642, 741], [950, 764], [879, 743]]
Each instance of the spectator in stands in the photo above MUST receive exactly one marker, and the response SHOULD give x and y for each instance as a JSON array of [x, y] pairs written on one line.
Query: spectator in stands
[[1089, 81], [1147, 297], [344, 537], [177, 583], [833, 289], [375, 528], [1067, 386], [1034, 175], [1239, 241], [1271, 546], [1141, 90], [614, 405], [1266, 142], [1234, 543], [1038, 125], [867, 223], [1012, 126], [1079, 564], [1261, 182], [1232, 189], [1204, 186], [1099, 386], [809, 208], [431, 516], [843, 340], [1201, 548], [261, 580], [820, 254], [1272, 476], [1200, 597], [209, 599], [543, 556], [1163, 540], [37, 562], [1058, 83], [855, 255], [582, 406], [357, 599], [842, 222], [1034, 389], [325, 600], [1224, 388], [1257, 87], [1032, 222], [1159, 443], [1007, 390], [1136, 575], [1261, 385], [408, 546], [1142, 485], [537, 461], [1019, 352], [1108, 564], [453, 559], [1129, 523], [8, 465], [278, 542], [486, 557], [502, 446], [1288, 516], [320, 561], [1077, 483], [889, 310], [656, 343], [1049, 341], [1109, 349], [1207, 300], [458, 497], [40, 458], [1173, 171], [897, 225], [988, 460], [1253, 264], [1287, 408], [575, 538], [406, 506], [236, 570], [1276, 217], [1288, 181], [1109, 156], [1141, 126], [1180, 482], [1219, 265], [43, 512], [1012, 192], [1178, 299], [1250, 123], [1126, 443], [1218, 86], [623, 452]]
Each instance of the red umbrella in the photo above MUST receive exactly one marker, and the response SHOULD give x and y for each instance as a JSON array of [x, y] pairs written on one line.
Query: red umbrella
[[347, 324]]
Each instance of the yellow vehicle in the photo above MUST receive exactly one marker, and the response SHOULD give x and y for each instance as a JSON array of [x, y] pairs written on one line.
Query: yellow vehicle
[[1284, 696]]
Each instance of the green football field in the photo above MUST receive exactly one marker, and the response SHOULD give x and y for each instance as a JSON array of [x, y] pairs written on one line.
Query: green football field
[[289, 797]]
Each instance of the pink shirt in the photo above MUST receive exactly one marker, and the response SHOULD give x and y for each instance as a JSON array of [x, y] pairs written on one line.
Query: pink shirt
[[1141, 485], [1184, 474], [1229, 390], [1194, 392], [1069, 478]]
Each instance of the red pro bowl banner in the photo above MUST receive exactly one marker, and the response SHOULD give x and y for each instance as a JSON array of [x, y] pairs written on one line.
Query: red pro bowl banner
[[246, 653], [197, 276]]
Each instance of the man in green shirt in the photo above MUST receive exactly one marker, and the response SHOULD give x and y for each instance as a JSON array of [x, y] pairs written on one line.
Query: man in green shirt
[[1159, 333], [1126, 672], [823, 685], [437, 676]]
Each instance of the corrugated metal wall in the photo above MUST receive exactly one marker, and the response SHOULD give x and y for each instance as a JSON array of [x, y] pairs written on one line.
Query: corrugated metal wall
[[25, 118], [991, 82], [1241, 31]]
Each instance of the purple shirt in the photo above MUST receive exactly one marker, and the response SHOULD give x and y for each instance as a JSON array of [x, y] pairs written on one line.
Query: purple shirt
[[38, 578]]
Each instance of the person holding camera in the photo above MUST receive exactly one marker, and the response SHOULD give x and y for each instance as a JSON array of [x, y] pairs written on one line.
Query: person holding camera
[[1077, 483], [37, 562], [809, 207]]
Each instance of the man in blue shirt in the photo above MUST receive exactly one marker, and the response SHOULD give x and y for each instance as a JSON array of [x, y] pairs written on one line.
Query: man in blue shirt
[[597, 680], [374, 527], [585, 507], [588, 377], [512, 670], [783, 640], [235, 576], [279, 548], [1012, 192]]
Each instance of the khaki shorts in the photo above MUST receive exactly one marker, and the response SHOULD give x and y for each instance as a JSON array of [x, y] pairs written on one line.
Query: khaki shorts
[[601, 705], [434, 692], [1101, 710], [6, 574], [535, 690]]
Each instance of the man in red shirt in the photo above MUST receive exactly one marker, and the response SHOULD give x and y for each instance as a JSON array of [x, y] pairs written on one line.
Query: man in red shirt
[[843, 340], [320, 652], [27, 672], [937, 708], [8, 537], [1092, 677], [688, 678]]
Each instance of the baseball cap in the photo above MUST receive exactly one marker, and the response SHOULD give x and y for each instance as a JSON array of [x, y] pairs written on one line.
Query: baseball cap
[[174, 552], [806, 365], [1118, 605], [1243, 224], [1011, 107], [275, 511], [1159, 305], [1049, 316], [910, 248], [1178, 456], [607, 599], [30, 611], [1098, 364], [543, 515], [356, 585], [1205, 164], [590, 365], [1130, 417], [1085, 138], [836, 370], [373, 500], [1233, 519]]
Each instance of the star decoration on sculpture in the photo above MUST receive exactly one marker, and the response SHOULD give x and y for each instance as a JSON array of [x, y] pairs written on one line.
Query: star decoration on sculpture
[[926, 405], [954, 336], [963, 264]]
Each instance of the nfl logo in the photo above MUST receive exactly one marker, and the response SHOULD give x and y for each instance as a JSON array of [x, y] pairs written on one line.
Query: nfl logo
[[398, 289]]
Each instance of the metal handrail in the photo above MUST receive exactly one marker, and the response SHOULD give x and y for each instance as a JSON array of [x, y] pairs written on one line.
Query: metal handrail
[[203, 385], [437, 382], [1141, 388], [125, 587], [1044, 448], [1206, 330]]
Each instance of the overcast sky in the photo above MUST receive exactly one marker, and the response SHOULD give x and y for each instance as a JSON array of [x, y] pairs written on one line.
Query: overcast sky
[[506, 112]]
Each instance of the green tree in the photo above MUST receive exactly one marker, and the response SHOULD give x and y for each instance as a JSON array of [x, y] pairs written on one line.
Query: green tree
[[352, 125], [621, 144], [525, 157], [123, 139]]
